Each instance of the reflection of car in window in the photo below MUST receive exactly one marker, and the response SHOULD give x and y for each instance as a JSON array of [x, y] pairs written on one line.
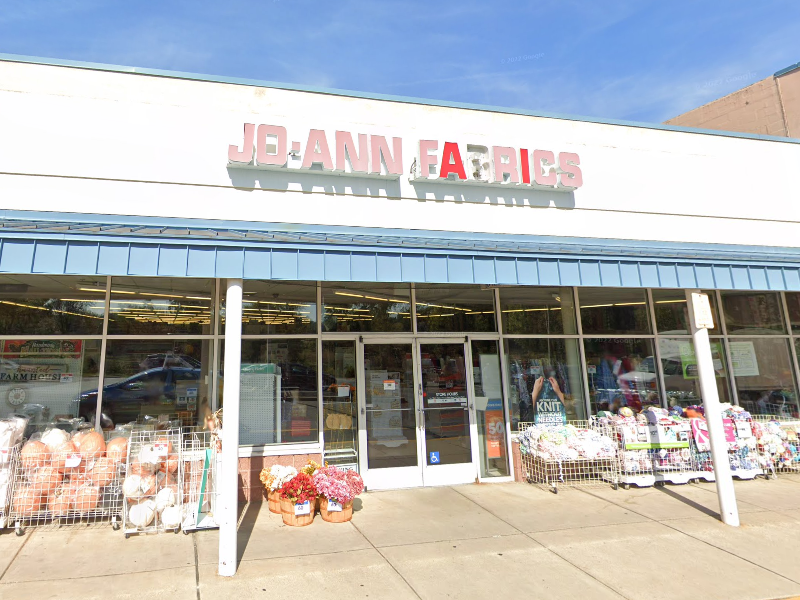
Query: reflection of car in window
[[150, 392], [168, 359]]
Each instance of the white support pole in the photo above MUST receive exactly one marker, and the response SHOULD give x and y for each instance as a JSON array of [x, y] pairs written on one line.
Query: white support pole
[[228, 508], [728, 510]]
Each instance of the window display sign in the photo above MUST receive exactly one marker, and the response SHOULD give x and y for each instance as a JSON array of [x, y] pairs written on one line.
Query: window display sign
[[689, 359], [447, 398], [495, 428], [550, 412], [743, 358]]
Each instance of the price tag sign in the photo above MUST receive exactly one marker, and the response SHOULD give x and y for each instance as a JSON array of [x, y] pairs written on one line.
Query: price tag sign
[[389, 385], [334, 506], [162, 449], [302, 508], [703, 317], [72, 461]]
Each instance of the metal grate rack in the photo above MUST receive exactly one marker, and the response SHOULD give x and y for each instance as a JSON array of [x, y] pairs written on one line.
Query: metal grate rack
[[8, 465], [200, 468]]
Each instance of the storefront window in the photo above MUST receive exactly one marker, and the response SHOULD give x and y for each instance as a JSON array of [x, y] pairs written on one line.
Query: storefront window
[[42, 379], [489, 409], [793, 305], [51, 305], [366, 308], [544, 369], [613, 311], [621, 372], [764, 376], [454, 308], [538, 310], [161, 305], [753, 313], [277, 308], [681, 381], [672, 312], [278, 400], [339, 404], [166, 379]]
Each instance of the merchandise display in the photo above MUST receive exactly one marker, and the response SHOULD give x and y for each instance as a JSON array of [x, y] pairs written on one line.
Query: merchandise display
[[778, 443], [298, 500], [63, 478], [574, 454], [273, 479], [337, 488]]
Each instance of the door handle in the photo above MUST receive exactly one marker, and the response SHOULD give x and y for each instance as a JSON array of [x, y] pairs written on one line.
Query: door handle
[[363, 410]]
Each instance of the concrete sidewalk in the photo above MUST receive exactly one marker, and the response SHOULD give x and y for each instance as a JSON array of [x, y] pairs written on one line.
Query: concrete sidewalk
[[475, 541]]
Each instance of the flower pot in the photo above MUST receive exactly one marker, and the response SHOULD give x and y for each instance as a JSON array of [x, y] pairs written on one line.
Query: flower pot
[[274, 499], [336, 516], [289, 518]]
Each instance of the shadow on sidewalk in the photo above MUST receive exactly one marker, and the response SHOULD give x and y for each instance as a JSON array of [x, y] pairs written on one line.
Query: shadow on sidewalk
[[692, 503], [247, 521]]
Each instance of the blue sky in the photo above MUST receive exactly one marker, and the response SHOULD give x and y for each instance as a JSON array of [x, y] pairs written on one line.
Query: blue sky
[[640, 60]]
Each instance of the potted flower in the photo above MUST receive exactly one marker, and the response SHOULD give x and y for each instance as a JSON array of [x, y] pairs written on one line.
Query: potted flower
[[298, 497], [337, 489], [273, 479]]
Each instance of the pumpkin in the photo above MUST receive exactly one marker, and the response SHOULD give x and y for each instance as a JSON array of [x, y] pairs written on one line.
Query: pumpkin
[[138, 467], [46, 479], [132, 487], [60, 502], [171, 517], [170, 465], [165, 498], [62, 453], [86, 498], [34, 455], [117, 449], [26, 500], [141, 515], [102, 472], [148, 485], [53, 438], [91, 445]]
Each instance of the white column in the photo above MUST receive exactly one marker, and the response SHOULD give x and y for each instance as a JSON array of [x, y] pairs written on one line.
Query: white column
[[228, 492], [728, 510]]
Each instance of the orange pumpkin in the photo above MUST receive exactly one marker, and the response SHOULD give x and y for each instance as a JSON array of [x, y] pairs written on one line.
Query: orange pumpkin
[[87, 497], [34, 455], [92, 445], [117, 449], [46, 479], [26, 500], [102, 472]]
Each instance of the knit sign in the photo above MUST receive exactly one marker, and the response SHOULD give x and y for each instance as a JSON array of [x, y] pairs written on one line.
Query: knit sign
[[550, 412]]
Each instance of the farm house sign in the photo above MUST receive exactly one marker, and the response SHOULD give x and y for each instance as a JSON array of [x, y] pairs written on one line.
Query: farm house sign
[[362, 155]]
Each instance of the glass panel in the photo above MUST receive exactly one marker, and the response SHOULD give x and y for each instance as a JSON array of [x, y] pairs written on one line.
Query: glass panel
[[444, 393], [753, 313], [538, 310], [49, 305], [556, 365], [43, 378], [455, 308], [277, 308], [672, 313], [680, 371], [339, 412], [489, 410], [390, 407], [158, 305], [621, 372], [793, 304], [764, 376], [155, 378], [368, 308], [278, 401], [614, 310]]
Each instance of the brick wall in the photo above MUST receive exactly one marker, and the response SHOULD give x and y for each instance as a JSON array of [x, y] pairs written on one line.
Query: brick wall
[[754, 109], [789, 88], [250, 487], [516, 458]]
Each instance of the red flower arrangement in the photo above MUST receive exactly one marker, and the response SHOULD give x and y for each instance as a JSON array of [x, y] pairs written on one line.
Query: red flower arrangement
[[299, 489]]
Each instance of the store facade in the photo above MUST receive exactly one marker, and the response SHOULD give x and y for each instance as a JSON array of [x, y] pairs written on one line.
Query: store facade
[[417, 278]]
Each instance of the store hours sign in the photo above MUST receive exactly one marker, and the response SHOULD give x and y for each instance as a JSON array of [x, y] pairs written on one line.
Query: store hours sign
[[271, 147]]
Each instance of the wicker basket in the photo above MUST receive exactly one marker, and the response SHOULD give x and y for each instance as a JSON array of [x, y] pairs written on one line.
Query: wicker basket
[[289, 518], [342, 516], [274, 499]]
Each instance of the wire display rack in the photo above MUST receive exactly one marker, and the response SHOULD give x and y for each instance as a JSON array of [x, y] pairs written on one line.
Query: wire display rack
[[574, 455], [340, 431], [777, 443], [153, 487], [8, 465], [635, 460], [200, 468], [55, 490]]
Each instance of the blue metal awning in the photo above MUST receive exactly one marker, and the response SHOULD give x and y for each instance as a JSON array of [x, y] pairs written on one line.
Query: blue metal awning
[[188, 248]]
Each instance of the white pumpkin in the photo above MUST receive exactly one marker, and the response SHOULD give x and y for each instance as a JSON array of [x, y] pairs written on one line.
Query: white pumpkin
[[171, 517], [53, 438], [132, 486], [164, 498], [141, 515]]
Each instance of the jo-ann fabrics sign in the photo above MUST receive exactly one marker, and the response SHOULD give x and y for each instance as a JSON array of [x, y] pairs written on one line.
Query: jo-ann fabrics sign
[[362, 155]]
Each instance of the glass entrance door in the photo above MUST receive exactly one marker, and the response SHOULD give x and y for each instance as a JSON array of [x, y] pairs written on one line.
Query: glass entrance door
[[445, 409], [415, 412]]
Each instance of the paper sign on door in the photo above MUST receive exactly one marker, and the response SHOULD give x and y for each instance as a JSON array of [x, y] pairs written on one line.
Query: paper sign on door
[[389, 385]]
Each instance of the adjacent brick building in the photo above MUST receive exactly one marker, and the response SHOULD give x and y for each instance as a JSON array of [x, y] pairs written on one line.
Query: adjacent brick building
[[769, 107]]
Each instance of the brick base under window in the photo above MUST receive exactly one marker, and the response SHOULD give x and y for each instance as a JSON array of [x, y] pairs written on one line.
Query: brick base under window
[[517, 460], [250, 487]]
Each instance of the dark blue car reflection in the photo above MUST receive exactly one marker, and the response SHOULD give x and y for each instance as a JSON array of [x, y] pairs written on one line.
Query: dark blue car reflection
[[151, 392]]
